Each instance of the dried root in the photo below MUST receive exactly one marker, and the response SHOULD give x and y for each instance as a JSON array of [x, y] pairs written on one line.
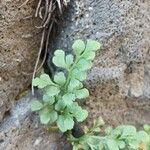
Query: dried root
[[48, 11]]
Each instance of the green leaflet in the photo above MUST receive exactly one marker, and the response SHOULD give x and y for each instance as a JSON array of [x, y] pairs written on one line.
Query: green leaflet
[[147, 128], [77, 74], [97, 124], [93, 141], [142, 136], [121, 144], [89, 55], [48, 99], [74, 107], [79, 113], [74, 84], [43, 81], [84, 65], [109, 130], [78, 47], [36, 105], [68, 98], [112, 144], [82, 93], [60, 78], [47, 115], [60, 105], [69, 60], [65, 122], [127, 131], [59, 59], [52, 91], [92, 45], [62, 61]]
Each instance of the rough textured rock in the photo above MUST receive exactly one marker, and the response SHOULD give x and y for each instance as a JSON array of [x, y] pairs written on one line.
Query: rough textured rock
[[19, 43], [22, 130], [119, 82]]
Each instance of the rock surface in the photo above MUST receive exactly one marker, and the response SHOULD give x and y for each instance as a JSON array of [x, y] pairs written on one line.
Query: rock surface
[[21, 130], [119, 82], [19, 42]]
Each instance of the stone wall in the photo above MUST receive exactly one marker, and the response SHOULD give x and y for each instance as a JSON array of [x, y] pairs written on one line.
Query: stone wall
[[19, 42], [119, 81]]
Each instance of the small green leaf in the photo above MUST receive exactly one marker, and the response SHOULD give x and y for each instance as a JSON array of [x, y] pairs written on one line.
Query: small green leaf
[[44, 115], [74, 84], [121, 144], [84, 65], [81, 115], [127, 131], [108, 130], [101, 146], [83, 93], [142, 136], [59, 59], [47, 115], [97, 129], [53, 116], [65, 122], [93, 147], [92, 45], [42, 81], [60, 105], [93, 140], [99, 122], [134, 144], [147, 128], [112, 145], [36, 105], [78, 47], [52, 91], [60, 78], [48, 99], [75, 147], [74, 107], [69, 60], [68, 98], [80, 75], [89, 55]]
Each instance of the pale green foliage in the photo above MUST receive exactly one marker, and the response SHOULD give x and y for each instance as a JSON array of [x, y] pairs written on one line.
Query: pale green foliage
[[124, 137], [78, 47], [147, 130], [43, 81], [60, 93], [59, 103], [36, 105]]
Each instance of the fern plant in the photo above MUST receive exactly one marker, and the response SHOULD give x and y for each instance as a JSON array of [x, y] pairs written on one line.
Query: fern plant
[[123, 137], [60, 93], [59, 103], [147, 130]]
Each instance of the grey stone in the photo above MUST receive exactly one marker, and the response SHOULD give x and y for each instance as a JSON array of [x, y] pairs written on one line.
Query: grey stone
[[21, 130], [122, 27], [119, 80]]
